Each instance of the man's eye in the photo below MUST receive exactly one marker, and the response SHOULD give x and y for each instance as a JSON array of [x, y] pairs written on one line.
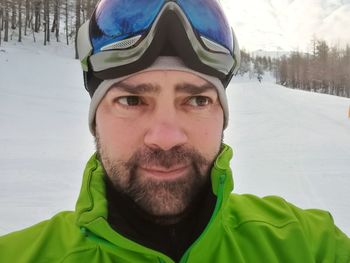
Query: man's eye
[[199, 101], [129, 100]]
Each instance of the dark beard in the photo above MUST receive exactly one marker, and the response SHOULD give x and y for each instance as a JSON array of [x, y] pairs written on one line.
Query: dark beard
[[165, 201]]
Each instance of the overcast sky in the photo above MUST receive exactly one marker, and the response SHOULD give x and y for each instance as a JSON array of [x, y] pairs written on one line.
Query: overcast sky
[[288, 24]]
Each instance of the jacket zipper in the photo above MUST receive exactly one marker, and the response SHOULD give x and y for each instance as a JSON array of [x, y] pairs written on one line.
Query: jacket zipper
[[218, 204]]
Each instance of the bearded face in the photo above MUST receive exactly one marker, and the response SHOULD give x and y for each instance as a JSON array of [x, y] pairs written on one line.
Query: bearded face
[[157, 135], [160, 197]]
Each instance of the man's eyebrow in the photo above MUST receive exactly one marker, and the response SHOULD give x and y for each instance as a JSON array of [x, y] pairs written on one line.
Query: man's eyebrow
[[194, 89], [137, 89]]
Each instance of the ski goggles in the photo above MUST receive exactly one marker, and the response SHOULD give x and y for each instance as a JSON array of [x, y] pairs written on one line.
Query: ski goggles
[[120, 32]]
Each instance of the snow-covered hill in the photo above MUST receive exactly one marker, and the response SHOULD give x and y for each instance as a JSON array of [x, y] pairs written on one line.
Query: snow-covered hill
[[291, 143], [287, 142]]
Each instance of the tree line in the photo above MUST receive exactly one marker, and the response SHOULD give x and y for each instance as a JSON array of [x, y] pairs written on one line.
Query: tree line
[[326, 69], [27, 17], [255, 66]]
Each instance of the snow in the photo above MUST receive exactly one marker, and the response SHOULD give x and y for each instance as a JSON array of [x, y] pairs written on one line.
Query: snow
[[286, 142], [44, 134], [291, 143]]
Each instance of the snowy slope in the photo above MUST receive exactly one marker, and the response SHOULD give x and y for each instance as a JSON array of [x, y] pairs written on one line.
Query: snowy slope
[[44, 136], [286, 142], [291, 143]]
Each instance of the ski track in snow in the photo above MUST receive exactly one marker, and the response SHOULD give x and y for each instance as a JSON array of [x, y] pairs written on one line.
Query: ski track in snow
[[286, 142]]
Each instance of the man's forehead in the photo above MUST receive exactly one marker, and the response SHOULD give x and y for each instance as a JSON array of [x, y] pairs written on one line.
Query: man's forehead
[[155, 81], [181, 87]]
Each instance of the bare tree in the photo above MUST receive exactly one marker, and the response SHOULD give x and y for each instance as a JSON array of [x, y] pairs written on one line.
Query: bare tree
[[46, 21], [6, 24], [245, 63], [1, 19], [56, 21], [14, 14], [345, 69], [284, 71], [77, 22], [37, 15], [19, 20], [27, 18], [66, 22]]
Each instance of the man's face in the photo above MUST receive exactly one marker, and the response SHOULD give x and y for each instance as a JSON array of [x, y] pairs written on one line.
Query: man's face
[[157, 135]]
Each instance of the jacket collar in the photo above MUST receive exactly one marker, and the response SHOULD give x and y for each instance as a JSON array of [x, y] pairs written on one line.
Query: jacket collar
[[92, 203]]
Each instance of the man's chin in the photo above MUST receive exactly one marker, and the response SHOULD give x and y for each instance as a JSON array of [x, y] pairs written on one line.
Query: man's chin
[[163, 199], [165, 214]]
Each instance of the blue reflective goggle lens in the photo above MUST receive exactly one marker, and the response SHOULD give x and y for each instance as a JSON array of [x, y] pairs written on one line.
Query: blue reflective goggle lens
[[207, 17], [121, 19]]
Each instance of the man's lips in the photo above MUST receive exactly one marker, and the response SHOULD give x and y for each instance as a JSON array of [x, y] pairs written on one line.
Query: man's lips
[[164, 173]]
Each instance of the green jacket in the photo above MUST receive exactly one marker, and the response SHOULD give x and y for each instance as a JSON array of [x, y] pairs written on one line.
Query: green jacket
[[243, 228]]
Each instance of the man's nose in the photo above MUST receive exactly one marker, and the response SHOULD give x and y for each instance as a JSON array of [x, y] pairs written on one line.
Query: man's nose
[[165, 131]]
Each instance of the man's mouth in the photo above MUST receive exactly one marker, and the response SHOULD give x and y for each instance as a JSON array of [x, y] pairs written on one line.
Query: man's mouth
[[165, 173]]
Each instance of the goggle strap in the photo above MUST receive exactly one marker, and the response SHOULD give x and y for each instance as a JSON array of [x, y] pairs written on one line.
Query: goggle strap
[[84, 44]]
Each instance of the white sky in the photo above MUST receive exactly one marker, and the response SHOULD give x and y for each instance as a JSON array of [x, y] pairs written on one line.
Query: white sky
[[288, 24]]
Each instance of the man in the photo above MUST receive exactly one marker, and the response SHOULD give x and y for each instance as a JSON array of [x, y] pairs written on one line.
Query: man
[[159, 187]]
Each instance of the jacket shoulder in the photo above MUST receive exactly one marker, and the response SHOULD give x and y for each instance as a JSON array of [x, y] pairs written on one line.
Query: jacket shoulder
[[275, 211], [274, 218], [46, 241]]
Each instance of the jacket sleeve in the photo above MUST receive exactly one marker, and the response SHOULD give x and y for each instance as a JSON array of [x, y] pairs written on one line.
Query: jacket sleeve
[[328, 242], [342, 246]]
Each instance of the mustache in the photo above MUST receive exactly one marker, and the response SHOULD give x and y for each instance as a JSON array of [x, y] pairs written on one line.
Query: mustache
[[167, 159]]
